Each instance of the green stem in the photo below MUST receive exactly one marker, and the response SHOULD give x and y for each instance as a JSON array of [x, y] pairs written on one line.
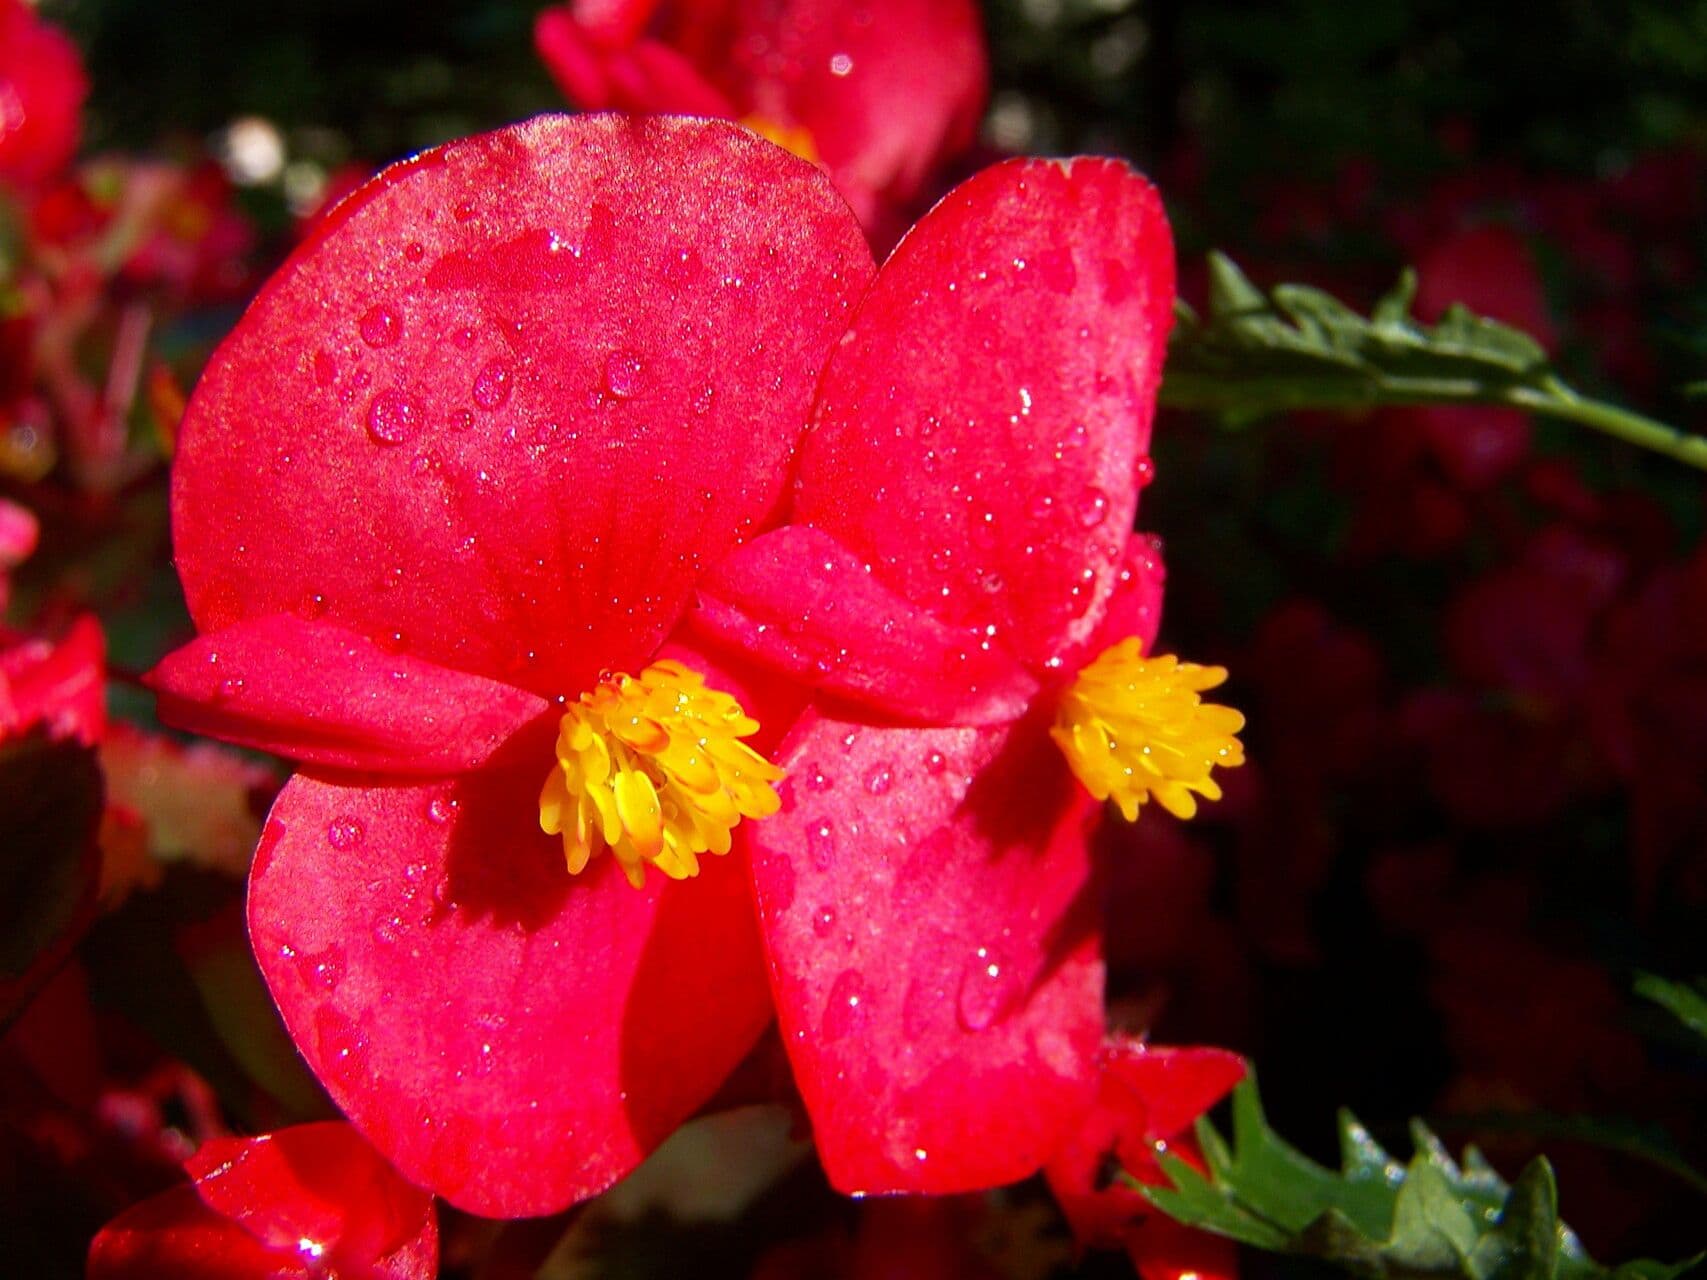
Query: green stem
[[1556, 400]]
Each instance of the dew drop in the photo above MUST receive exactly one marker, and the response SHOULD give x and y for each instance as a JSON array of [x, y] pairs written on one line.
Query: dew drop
[[381, 327], [821, 844], [847, 1006], [935, 762], [344, 833], [492, 385], [1093, 507], [414, 251], [823, 920], [391, 417], [986, 986], [312, 606], [441, 809], [879, 780], [1144, 471], [622, 374], [818, 780]]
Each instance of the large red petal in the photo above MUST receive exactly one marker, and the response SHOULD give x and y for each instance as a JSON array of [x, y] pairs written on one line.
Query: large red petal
[[799, 601], [978, 431], [510, 1036], [938, 986], [327, 696], [515, 393]]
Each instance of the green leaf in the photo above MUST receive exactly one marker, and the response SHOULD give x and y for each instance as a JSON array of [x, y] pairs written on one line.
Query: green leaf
[[1375, 1217], [1686, 1003], [1298, 347]]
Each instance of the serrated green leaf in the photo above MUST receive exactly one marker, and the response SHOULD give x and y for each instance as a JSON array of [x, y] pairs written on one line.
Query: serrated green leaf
[[1686, 1003], [1435, 1216], [1298, 347], [1524, 1243]]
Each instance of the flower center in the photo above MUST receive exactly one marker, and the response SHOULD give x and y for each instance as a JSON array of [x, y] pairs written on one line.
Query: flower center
[[652, 767], [1134, 728], [790, 137]]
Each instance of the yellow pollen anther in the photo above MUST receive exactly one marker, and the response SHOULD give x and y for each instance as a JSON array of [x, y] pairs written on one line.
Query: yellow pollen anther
[[652, 767], [790, 137], [1133, 728]]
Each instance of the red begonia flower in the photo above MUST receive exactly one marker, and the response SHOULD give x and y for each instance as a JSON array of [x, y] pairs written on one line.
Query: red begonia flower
[[880, 94], [314, 1200], [1147, 1099], [18, 534], [54, 685], [971, 473], [42, 87], [469, 451]]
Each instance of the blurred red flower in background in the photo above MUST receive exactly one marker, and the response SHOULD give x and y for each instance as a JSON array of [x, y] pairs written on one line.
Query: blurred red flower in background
[[42, 87], [883, 95]]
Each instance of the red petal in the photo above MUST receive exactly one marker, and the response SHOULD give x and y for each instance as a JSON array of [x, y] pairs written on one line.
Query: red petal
[[1134, 604], [306, 1201], [938, 990], [978, 430], [514, 394], [1145, 1095], [318, 1189], [1174, 1086], [508, 1035], [175, 1234], [327, 696], [801, 602]]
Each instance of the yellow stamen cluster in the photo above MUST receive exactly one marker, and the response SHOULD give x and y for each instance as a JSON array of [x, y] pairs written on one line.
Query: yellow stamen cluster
[[652, 767], [1133, 728], [790, 137]]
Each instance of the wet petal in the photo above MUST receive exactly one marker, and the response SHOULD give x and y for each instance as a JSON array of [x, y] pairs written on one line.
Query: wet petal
[[324, 695], [802, 603], [459, 994], [533, 382], [979, 431], [937, 978]]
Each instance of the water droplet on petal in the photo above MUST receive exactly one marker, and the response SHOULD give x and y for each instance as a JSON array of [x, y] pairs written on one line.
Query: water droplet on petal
[[821, 844], [622, 374], [879, 780], [381, 327], [344, 833], [441, 809], [1144, 471], [847, 1007], [987, 986], [823, 920], [492, 385], [935, 762], [1093, 507], [391, 417]]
